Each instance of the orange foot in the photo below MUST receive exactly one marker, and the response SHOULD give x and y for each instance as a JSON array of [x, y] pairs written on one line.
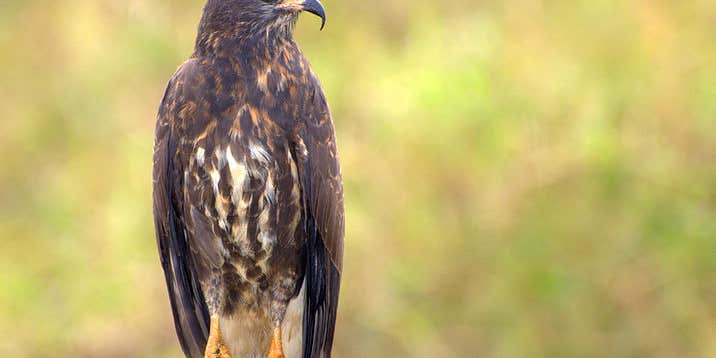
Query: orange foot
[[215, 347], [276, 350]]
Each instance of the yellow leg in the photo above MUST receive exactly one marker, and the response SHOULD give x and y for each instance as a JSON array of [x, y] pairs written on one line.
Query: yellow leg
[[215, 347], [276, 350]]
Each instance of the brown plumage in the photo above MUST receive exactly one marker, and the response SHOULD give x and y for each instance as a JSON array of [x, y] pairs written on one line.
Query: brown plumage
[[248, 200]]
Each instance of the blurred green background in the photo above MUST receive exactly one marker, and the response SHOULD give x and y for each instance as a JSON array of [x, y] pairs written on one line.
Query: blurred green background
[[523, 178]]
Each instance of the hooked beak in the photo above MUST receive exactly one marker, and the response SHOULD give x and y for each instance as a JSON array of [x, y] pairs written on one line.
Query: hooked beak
[[314, 7]]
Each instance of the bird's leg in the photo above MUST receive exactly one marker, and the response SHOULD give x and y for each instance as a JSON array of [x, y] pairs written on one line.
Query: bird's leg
[[215, 347], [276, 350]]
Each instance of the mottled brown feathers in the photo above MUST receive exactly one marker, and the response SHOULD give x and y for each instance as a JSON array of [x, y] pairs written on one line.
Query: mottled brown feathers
[[248, 200]]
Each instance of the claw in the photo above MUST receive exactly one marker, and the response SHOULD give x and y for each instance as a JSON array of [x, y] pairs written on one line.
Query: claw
[[215, 347], [276, 350]]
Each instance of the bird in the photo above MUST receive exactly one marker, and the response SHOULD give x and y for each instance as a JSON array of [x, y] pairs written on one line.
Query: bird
[[247, 189]]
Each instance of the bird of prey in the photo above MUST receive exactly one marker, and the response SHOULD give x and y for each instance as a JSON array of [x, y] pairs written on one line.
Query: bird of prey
[[248, 195]]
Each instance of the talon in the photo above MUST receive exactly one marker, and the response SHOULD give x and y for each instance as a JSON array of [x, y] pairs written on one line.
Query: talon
[[276, 350], [215, 347]]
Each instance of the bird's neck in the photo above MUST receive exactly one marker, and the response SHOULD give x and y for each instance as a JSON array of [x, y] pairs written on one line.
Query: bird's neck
[[250, 50], [249, 38]]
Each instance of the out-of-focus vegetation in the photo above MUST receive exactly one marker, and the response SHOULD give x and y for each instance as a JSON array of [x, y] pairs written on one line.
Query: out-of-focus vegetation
[[523, 178]]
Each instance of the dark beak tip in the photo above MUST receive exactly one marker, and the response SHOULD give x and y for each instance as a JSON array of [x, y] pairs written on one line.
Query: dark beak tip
[[315, 7]]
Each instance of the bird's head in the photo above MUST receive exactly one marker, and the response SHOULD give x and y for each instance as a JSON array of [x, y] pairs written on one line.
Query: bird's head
[[255, 20]]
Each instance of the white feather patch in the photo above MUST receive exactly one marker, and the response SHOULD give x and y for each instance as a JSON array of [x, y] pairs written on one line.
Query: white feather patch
[[259, 153], [200, 156], [292, 325], [239, 178]]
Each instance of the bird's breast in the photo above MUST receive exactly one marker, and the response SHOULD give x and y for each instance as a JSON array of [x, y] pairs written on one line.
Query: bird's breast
[[246, 185]]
